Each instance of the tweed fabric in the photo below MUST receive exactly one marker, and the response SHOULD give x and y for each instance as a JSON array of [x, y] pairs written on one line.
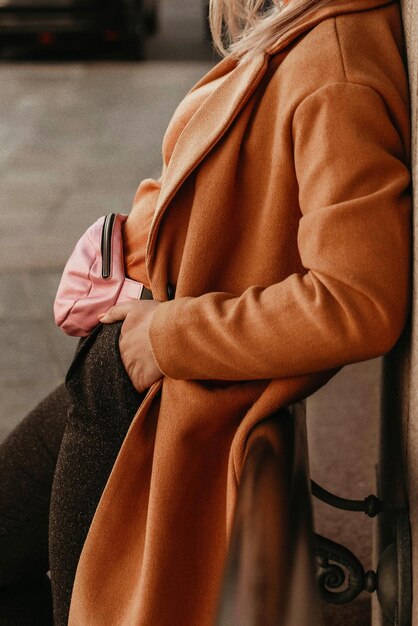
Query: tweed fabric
[[27, 464], [103, 402], [53, 469]]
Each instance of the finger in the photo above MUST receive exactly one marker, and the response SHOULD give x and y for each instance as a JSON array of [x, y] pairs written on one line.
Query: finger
[[116, 313]]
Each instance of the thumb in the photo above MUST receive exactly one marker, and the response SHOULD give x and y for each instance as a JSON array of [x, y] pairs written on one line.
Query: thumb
[[115, 313]]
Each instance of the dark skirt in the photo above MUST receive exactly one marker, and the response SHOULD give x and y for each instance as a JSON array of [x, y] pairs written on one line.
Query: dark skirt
[[53, 468]]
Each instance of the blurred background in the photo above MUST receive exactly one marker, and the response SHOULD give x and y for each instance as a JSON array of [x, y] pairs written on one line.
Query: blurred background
[[87, 90]]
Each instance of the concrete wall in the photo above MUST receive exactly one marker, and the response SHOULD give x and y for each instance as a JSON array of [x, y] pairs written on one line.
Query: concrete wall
[[397, 471], [410, 417]]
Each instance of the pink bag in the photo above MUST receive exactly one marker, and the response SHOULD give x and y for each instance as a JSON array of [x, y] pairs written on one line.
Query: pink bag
[[94, 278]]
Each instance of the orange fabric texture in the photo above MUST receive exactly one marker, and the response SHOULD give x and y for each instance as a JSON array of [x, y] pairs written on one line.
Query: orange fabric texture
[[137, 227], [284, 220]]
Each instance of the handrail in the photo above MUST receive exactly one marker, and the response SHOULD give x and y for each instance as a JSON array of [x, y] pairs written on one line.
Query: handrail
[[269, 576]]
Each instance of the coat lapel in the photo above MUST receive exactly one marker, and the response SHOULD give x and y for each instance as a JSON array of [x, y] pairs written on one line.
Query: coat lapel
[[206, 127]]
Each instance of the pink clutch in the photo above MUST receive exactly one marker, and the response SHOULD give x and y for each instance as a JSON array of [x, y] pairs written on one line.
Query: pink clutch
[[94, 278]]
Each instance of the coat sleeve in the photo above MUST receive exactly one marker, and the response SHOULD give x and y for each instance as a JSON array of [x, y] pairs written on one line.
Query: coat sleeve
[[354, 240]]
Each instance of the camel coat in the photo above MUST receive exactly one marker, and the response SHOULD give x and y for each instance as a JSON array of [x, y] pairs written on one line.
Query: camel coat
[[283, 222]]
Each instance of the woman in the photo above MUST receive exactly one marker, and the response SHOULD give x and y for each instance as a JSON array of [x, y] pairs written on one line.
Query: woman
[[276, 245]]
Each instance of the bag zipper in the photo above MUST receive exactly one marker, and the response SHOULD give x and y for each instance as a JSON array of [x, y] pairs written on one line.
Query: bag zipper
[[106, 245]]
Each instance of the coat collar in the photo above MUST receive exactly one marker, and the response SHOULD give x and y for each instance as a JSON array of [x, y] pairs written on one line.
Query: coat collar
[[315, 16], [217, 113]]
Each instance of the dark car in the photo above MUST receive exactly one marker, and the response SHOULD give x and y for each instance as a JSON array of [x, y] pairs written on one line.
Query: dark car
[[50, 21]]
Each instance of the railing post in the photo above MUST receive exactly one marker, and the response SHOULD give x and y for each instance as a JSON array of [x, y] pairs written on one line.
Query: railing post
[[269, 577]]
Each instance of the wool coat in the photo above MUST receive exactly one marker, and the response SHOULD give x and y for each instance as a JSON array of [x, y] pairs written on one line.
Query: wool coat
[[284, 224]]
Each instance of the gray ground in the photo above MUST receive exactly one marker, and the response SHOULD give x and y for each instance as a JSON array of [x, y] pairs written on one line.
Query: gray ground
[[75, 140]]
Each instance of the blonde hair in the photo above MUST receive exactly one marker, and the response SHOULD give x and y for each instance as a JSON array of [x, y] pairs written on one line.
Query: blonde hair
[[241, 28]]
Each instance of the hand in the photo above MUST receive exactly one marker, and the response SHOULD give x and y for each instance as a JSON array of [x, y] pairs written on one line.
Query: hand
[[134, 343]]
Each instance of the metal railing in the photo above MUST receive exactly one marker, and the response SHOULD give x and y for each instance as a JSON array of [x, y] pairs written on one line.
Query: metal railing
[[277, 568]]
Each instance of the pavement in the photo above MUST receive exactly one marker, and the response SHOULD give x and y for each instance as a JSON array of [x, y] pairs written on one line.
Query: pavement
[[76, 138]]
